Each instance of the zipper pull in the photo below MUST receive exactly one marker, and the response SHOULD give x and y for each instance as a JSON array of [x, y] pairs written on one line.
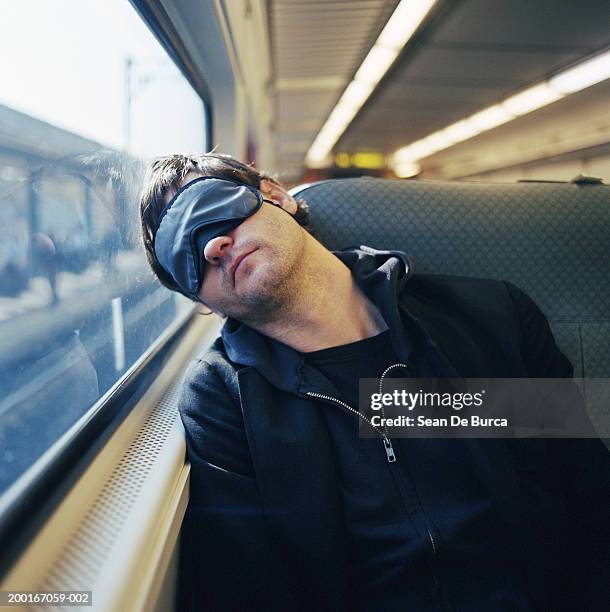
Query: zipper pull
[[389, 451]]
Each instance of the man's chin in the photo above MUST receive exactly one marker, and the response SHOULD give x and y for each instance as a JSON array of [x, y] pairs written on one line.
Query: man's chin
[[263, 278], [262, 300]]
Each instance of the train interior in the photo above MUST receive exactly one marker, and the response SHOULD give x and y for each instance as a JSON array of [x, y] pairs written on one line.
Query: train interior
[[472, 134]]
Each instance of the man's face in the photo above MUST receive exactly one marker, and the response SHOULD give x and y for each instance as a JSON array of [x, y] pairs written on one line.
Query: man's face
[[250, 272]]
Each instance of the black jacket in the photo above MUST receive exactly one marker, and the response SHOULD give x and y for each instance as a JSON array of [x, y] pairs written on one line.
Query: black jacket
[[264, 527]]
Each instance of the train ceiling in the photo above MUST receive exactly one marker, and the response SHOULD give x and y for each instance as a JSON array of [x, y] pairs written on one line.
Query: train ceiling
[[467, 55]]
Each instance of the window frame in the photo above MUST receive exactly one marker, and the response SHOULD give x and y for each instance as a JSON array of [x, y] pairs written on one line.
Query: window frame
[[34, 496]]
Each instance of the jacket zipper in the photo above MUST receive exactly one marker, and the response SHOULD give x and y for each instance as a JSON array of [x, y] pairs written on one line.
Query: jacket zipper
[[428, 530], [396, 365], [437, 586], [387, 443]]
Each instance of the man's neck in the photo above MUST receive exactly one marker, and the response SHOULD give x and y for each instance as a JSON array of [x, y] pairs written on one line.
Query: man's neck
[[328, 308]]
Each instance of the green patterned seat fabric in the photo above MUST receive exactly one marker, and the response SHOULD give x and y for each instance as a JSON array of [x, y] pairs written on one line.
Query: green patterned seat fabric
[[550, 239]]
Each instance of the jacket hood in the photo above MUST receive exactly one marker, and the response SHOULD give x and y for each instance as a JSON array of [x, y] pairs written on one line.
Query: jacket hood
[[382, 275]]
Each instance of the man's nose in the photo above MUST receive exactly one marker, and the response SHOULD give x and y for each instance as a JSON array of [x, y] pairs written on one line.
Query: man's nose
[[216, 249]]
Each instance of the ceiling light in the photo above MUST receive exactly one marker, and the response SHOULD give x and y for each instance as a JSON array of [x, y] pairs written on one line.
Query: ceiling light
[[531, 99], [356, 94], [319, 149], [584, 75], [462, 130], [422, 148], [490, 117], [412, 152], [317, 156], [574, 79], [403, 22], [340, 117], [435, 142], [405, 19], [323, 162], [406, 169], [376, 64]]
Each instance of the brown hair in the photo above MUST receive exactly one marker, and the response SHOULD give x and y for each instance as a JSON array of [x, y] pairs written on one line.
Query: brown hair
[[165, 174]]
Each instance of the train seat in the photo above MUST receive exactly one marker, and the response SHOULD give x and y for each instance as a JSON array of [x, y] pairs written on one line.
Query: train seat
[[550, 239]]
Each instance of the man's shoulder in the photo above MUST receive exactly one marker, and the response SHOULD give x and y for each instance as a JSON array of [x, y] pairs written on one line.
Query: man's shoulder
[[489, 306], [462, 287], [496, 294], [215, 354], [455, 280], [488, 309], [212, 367]]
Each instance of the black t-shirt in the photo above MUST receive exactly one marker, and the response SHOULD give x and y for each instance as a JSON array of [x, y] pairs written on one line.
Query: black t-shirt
[[344, 365], [389, 508]]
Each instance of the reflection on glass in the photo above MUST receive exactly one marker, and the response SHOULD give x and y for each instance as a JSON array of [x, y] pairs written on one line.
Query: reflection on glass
[[78, 304]]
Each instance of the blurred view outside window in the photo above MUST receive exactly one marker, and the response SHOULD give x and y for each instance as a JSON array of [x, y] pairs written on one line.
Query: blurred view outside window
[[87, 96]]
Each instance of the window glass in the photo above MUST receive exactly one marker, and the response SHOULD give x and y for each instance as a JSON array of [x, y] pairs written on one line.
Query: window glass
[[87, 98]]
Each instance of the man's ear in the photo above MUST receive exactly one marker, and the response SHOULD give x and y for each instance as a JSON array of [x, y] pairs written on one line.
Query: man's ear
[[208, 309], [280, 195], [211, 311]]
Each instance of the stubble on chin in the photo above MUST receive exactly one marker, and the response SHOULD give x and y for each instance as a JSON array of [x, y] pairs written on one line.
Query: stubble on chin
[[274, 288], [269, 297]]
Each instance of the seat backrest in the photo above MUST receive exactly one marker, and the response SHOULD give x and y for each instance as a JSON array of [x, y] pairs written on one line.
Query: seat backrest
[[550, 239]]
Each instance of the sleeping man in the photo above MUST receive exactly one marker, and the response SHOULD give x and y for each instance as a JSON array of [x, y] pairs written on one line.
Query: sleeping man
[[290, 508]]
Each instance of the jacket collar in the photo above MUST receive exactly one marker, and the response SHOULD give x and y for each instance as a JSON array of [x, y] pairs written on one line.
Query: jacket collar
[[381, 275]]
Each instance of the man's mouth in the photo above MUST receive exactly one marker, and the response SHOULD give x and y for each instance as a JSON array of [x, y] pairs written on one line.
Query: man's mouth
[[237, 262]]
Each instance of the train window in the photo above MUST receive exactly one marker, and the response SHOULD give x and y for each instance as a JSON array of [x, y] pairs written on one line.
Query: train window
[[88, 96]]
